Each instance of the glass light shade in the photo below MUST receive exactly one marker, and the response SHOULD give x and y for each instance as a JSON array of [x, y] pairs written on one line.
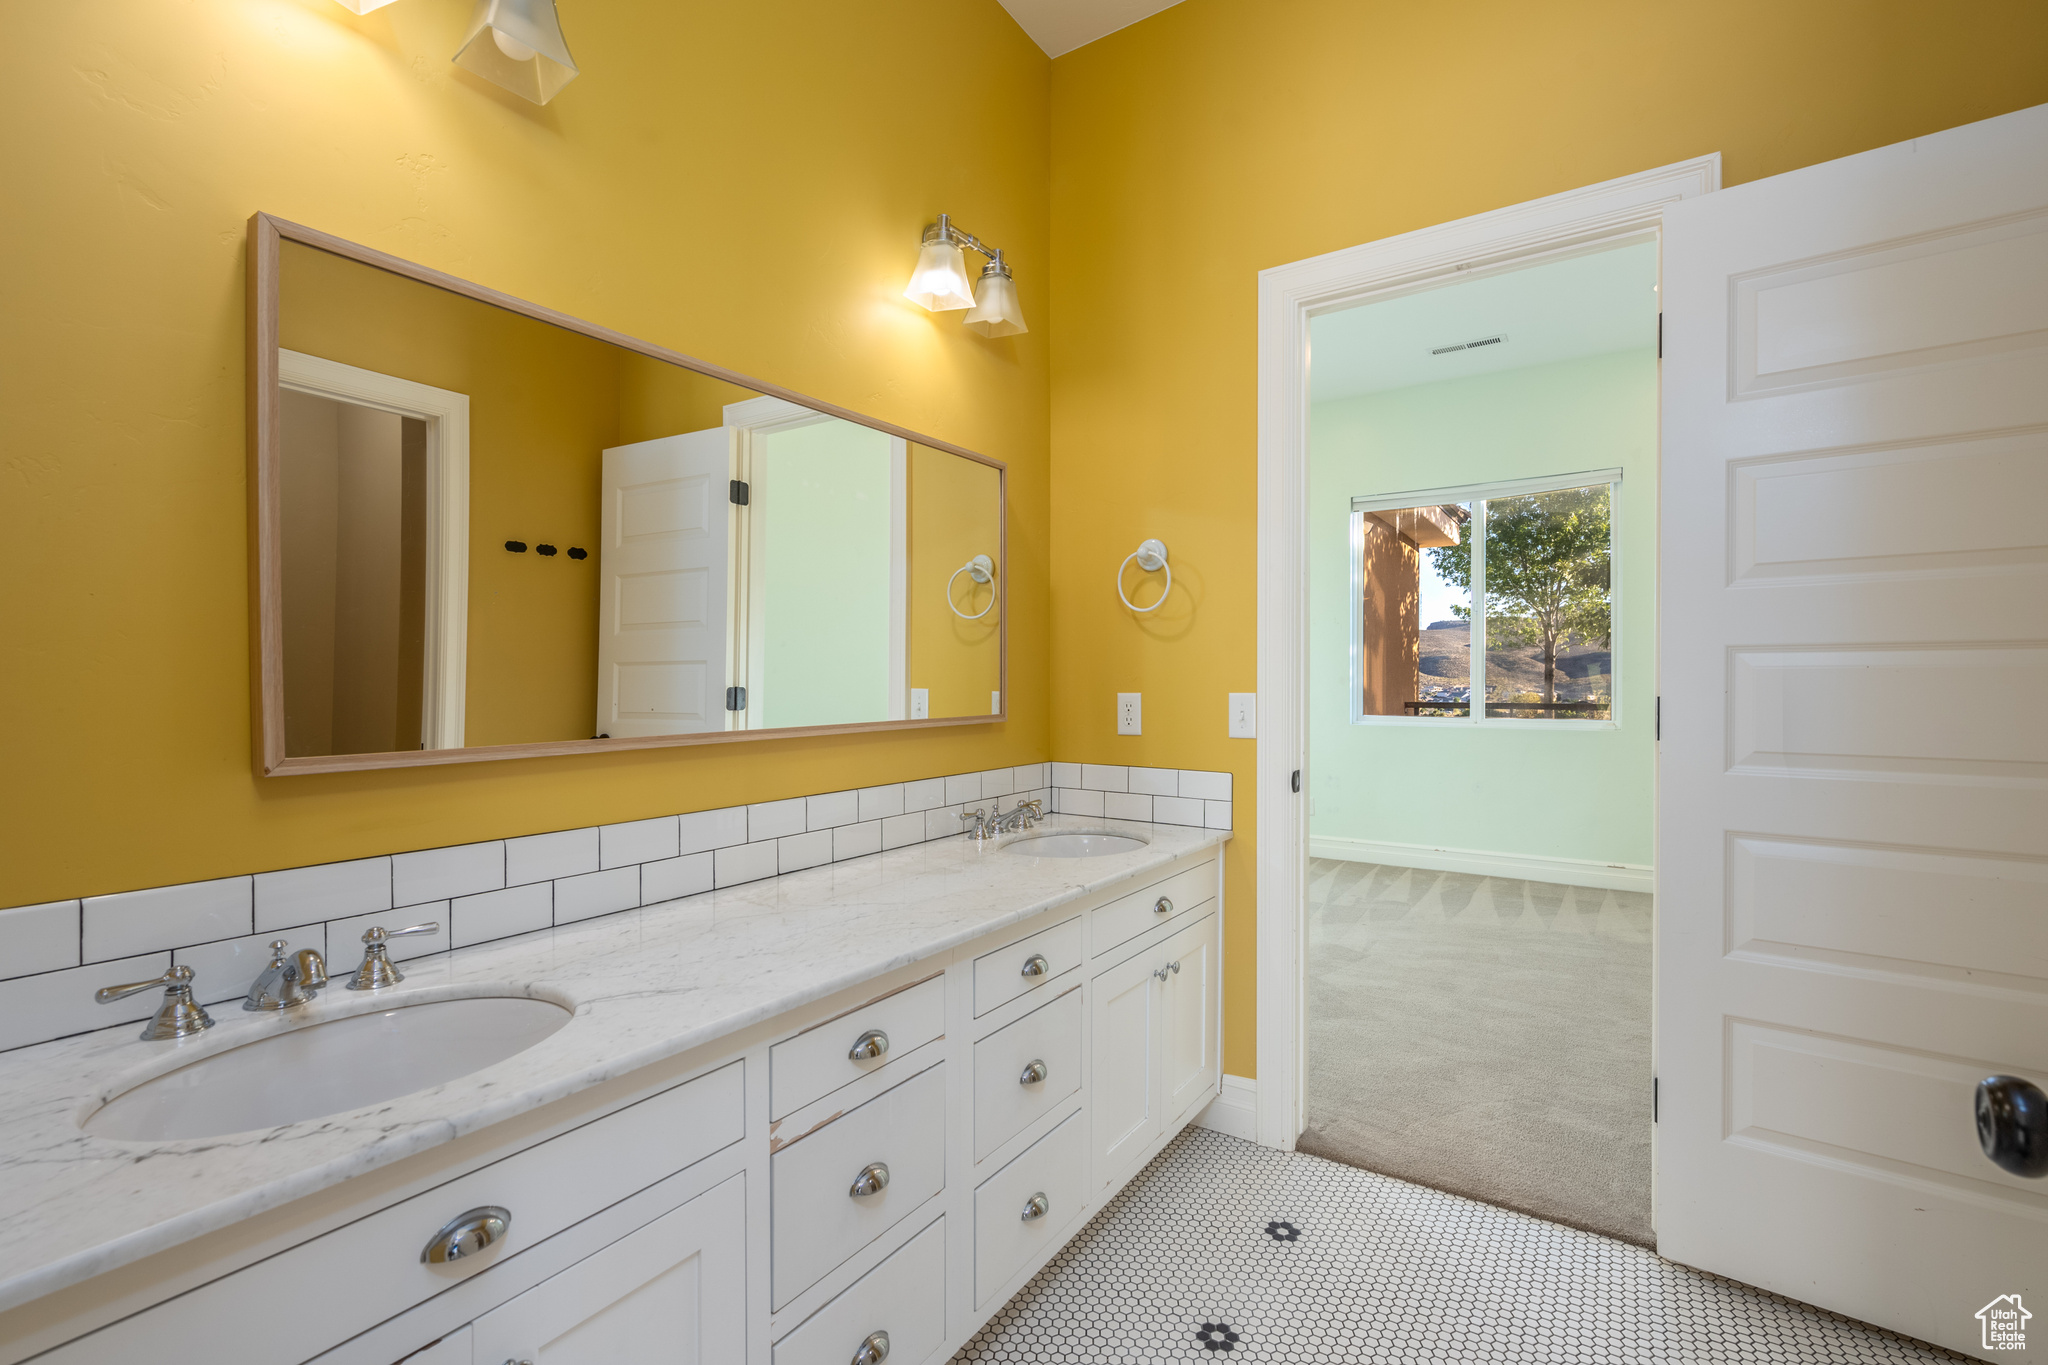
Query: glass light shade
[[362, 6], [996, 311], [940, 280], [518, 44]]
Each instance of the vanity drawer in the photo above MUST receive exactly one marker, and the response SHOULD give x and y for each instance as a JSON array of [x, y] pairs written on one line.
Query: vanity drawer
[[819, 1060], [1004, 1103], [302, 1301], [904, 1296], [1001, 976], [817, 1221], [1004, 1239], [1126, 917]]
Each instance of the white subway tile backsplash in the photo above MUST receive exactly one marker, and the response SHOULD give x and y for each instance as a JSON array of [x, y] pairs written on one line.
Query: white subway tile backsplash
[[924, 794], [1101, 777], [1126, 806], [795, 852], [899, 831], [38, 938], [705, 830], [773, 819], [998, 782], [1204, 786], [638, 841], [673, 878], [544, 857], [436, 874], [1176, 810], [597, 893], [945, 821], [1216, 815], [855, 841], [501, 914], [345, 937], [1155, 781], [1066, 774], [1028, 777], [58, 1004], [223, 972], [879, 803], [1074, 801], [962, 788], [743, 863], [833, 808], [300, 895], [163, 917]]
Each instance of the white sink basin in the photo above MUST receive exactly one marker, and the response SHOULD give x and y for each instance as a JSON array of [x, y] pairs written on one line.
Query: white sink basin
[[327, 1068], [1078, 843]]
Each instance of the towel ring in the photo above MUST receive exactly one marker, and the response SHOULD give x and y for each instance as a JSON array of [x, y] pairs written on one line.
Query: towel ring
[[1151, 557], [980, 569]]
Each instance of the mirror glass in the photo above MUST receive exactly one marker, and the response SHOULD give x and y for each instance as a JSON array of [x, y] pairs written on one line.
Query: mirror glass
[[494, 530]]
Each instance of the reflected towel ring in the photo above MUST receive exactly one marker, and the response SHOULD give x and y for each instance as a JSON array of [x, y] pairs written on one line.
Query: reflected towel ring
[[1151, 557], [981, 569]]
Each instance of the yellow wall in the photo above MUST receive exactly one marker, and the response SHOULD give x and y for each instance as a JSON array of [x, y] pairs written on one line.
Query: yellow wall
[[1224, 136], [744, 183], [951, 516]]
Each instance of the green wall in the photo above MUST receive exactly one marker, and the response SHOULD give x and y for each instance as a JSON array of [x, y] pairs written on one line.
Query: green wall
[[1576, 792]]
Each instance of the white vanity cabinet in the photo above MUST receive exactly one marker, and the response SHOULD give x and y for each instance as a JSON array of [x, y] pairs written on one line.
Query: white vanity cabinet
[[888, 1163]]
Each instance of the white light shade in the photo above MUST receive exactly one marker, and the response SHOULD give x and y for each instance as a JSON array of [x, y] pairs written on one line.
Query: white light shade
[[940, 280], [518, 44], [362, 6], [996, 310]]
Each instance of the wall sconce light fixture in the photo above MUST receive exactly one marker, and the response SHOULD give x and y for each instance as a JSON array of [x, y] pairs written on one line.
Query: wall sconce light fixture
[[940, 282], [517, 44]]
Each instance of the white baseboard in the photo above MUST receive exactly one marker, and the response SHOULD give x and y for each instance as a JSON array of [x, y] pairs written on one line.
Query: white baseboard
[[1235, 1109], [1521, 866]]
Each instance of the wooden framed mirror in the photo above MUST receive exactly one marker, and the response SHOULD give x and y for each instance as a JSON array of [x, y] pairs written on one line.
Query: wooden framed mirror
[[485, 530]]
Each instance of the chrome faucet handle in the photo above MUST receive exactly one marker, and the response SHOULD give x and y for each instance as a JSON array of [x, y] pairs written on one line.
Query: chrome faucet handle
[[283, 984], [178, 1017], [980, 829], [378, 970], [312, 968]]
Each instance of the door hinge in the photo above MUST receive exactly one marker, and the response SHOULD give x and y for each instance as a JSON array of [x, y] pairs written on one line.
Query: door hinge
[[1653, 1099], [737, 491], [1657, 729], [1660, 336], [1297, 779], [735, 698]]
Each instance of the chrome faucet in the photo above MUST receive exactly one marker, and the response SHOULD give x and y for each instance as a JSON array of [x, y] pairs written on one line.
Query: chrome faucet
[[288, 981], [377, 970], [988, 826], [180, 1016]]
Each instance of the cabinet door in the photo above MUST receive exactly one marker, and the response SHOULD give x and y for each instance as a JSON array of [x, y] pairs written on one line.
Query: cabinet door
[[1188, 1032], [672, 1293], [1125, 1079]]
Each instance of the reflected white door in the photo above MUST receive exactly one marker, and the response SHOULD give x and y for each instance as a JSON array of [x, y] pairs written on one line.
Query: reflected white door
[[661, 634], [1852, 857]]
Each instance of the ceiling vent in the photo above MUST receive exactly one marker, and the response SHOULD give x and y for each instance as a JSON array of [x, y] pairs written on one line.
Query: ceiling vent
[[1470, 345]]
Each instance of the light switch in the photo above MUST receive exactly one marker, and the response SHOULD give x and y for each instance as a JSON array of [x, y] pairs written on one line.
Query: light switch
[[1244, 715], [920, 703], [995, 703], [1130, 713]]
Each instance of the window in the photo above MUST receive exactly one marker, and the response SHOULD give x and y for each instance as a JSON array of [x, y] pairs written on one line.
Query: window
[[1504, 592]]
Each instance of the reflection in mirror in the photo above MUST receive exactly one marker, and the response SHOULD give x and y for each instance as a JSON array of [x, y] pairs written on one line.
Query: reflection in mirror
[[493, 530]]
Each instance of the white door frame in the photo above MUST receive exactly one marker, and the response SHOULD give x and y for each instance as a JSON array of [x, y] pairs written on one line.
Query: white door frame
[[1588, 219], [444, 675]]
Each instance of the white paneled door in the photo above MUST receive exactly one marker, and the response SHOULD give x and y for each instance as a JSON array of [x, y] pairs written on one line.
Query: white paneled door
[[1852, 860], [661, 633]]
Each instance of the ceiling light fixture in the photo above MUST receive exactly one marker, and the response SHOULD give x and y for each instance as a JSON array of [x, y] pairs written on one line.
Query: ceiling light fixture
[[940, 281], [518, 44], [362, 6]]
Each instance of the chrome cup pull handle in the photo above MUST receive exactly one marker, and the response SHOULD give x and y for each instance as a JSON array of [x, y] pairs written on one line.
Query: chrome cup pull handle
[[873, 1351], [1034, 1072], [1162, 906], [1035, 965], [1035, 1208], [873, 1179], [869, 1046], [468, 1233]]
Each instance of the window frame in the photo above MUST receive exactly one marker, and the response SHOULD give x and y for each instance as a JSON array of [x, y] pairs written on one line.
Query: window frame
[[1477, 495]]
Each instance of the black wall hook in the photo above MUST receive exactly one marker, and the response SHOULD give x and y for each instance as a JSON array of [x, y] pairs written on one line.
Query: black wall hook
[[517, 547], [544, 549], [578, 552]]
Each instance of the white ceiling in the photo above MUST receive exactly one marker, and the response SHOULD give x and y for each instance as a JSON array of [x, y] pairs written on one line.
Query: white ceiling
[[1585, 305], [1060, 26]]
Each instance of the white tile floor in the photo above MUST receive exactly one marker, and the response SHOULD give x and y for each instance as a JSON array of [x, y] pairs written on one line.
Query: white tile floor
[[1224, 1247]]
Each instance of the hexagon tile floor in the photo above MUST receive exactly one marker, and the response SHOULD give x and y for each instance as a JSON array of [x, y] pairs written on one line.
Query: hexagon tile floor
[[1222, 1250]]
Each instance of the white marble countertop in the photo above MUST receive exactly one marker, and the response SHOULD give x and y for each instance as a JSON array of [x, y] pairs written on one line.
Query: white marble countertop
[[646, 984]]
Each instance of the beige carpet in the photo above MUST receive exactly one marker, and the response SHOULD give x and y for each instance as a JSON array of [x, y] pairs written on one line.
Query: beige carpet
[[1484, 1036]]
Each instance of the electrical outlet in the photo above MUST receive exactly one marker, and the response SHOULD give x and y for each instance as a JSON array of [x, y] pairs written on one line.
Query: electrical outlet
[[920, 703], [1130, 713], [1244, 715]]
